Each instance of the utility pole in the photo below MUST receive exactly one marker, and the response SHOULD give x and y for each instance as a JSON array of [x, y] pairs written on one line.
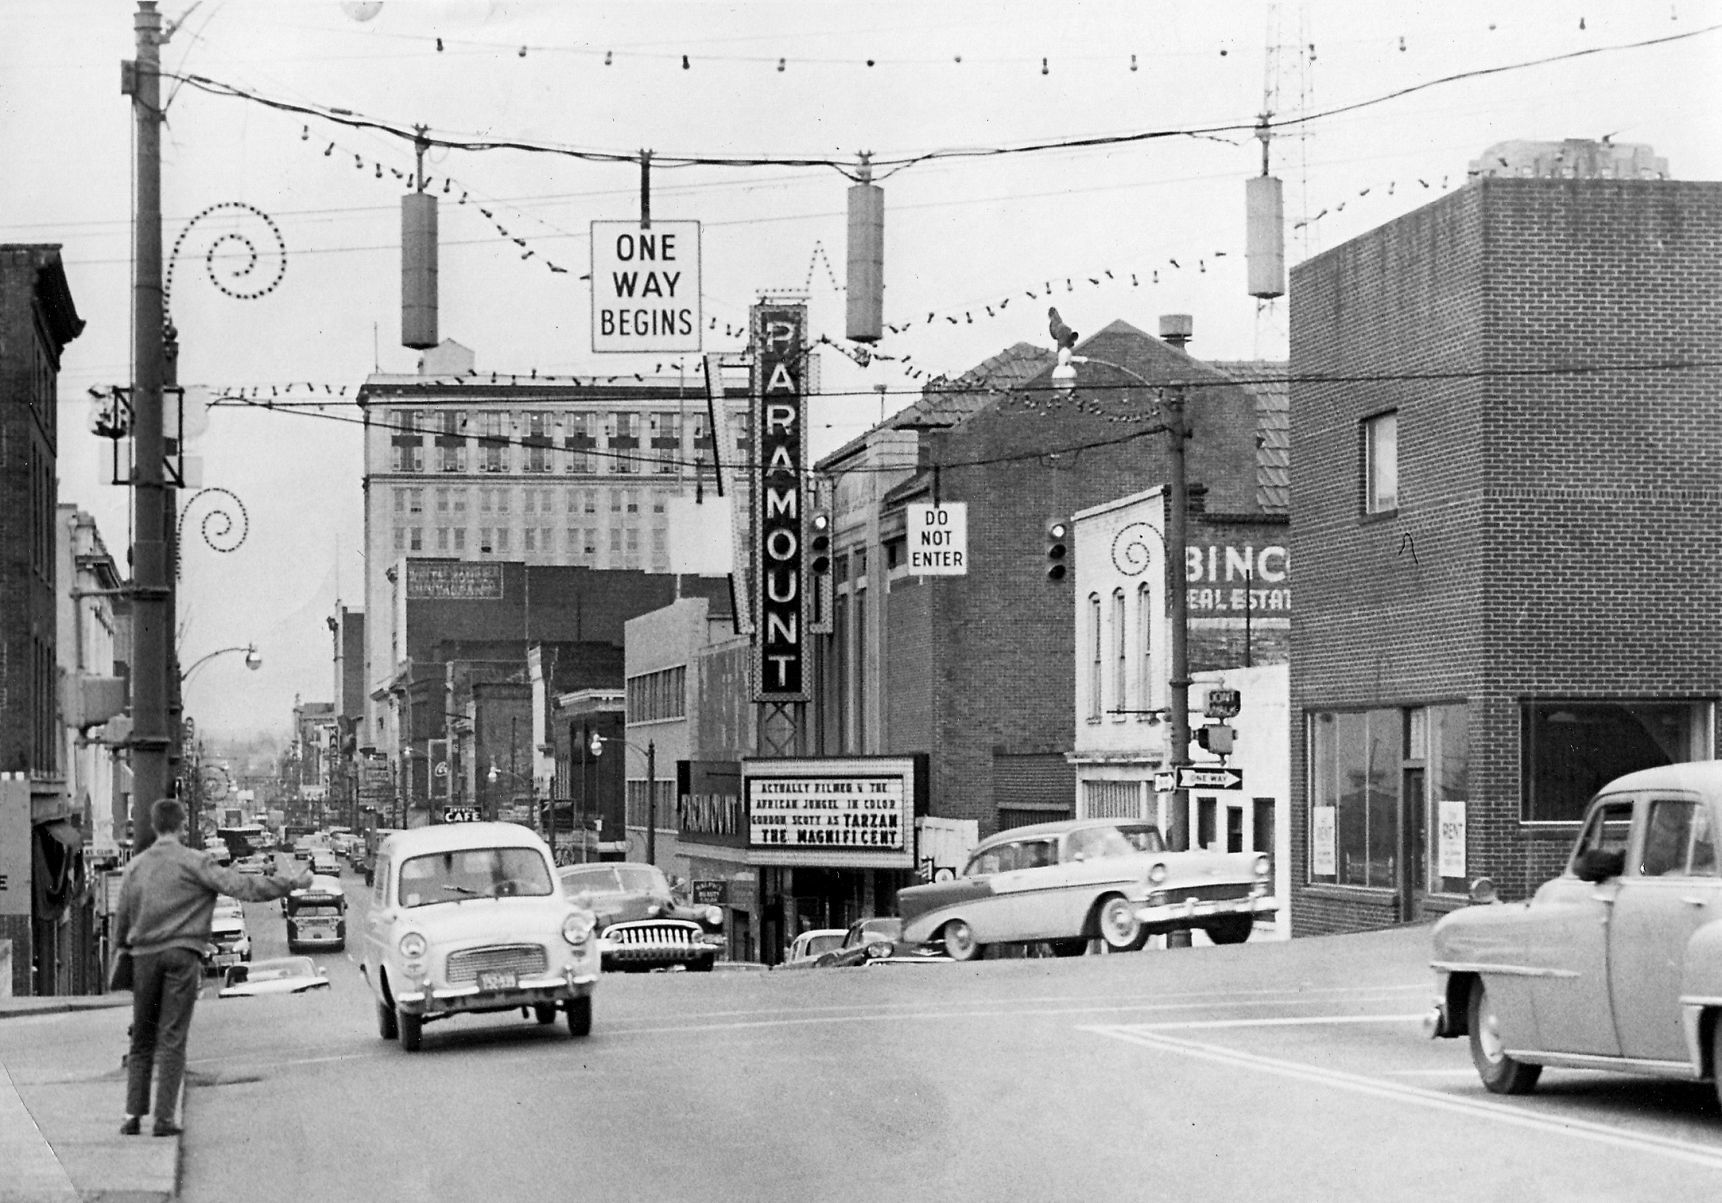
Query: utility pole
[[1175, 329], [152, 589], [651, 802]]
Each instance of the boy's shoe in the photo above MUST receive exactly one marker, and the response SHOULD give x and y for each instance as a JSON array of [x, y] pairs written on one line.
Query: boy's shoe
[[131, 1127], [166, 1129]]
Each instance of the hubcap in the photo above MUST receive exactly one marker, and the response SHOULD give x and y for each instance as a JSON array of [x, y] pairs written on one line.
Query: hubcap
[[1117, 919], [1489, 1031]]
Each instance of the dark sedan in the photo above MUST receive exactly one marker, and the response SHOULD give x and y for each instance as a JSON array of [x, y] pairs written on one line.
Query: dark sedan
[[642, 925], [878, 942]]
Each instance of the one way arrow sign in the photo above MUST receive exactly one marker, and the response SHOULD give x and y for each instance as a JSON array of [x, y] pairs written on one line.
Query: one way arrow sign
[[1210, 779]]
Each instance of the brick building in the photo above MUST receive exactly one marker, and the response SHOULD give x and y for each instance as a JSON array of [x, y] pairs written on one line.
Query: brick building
[[40, 850], [1504, 522], [976, 672]]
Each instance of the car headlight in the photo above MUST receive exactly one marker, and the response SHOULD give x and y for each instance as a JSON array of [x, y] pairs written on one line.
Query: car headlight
[[879, 950], [1264, 865], [412, 946], [1157, 873], [577, 928], [714, 916]]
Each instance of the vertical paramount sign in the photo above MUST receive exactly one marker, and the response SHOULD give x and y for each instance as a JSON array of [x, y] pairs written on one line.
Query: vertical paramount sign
[[779, 567]]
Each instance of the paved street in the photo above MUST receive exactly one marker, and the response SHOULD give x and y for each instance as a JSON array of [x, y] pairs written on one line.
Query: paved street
[[1288, 1071]]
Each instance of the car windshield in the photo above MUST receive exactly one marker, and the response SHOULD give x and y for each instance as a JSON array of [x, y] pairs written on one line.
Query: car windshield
[[615, 879], [875, 929], [1094, 843], [473, 873], [819, 944]]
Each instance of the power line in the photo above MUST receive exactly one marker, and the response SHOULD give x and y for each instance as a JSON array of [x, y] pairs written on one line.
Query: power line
[[887, 163], [1056, 398]]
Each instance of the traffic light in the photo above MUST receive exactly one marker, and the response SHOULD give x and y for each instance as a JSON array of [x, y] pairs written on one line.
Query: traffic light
[[1216, 739], [1057, 549], [819, 543]]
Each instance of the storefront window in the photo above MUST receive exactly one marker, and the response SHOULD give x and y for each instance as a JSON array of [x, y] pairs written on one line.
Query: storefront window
[[1449, 758], [1573, 749], [1355, 761]]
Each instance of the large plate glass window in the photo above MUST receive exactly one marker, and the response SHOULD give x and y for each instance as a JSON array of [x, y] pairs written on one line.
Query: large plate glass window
[[1571, 749]]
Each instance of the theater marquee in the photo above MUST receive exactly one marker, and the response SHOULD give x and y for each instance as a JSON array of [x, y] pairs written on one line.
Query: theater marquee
[[778, 562], [856, 812]]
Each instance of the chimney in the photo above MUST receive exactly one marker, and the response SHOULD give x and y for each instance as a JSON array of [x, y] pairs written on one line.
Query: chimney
[[1176, 328]]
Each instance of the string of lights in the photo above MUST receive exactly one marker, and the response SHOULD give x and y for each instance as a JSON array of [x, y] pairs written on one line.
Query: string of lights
[[1049, 400], [1250, 126]]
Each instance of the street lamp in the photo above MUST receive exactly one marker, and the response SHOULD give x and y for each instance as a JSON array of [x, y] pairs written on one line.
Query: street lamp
[[253, 660], [1174, 328], [650, 752], [496, 772]]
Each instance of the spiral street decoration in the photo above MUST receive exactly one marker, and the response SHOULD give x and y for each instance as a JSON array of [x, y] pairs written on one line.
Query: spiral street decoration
[[214, 780], [1131, 552], [217, 526], [252, 278]]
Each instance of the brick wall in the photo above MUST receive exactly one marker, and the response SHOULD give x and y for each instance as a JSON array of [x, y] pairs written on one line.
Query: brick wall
[[1000, 640], [1555, 532]]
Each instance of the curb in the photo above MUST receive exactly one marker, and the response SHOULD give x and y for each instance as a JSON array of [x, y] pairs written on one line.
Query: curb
[[59, 1004]]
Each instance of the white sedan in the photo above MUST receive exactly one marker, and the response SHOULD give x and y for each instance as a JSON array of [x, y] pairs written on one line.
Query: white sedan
[[283, 975]]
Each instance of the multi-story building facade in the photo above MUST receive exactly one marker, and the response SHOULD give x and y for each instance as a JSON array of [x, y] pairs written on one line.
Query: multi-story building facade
[[98, 781], [37, 320], [580, 472], [1504, 419]]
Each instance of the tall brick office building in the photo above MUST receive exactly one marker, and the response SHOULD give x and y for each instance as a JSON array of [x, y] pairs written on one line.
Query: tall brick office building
[[1504, 518]]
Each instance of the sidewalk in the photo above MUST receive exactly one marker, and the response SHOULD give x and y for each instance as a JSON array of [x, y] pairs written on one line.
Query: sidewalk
[[62, 1096]]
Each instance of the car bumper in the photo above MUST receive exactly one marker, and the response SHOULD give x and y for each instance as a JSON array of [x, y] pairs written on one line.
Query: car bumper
[[1174, 916], [529, 991]]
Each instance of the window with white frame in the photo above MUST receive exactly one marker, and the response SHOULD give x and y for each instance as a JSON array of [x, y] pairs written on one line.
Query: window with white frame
[[1095, 644], [1381, 463], [1121, 660], [1145, 649]]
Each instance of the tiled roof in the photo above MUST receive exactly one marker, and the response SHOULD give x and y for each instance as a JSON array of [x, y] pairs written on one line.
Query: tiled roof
[[946, 401], [1267, 382]]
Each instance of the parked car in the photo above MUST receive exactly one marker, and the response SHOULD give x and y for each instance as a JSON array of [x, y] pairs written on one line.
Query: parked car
[[281, 975], [1073, 881], [809, 946], [1617, 963], [470, 918], [878, 942], [642, 925], [229, 938]]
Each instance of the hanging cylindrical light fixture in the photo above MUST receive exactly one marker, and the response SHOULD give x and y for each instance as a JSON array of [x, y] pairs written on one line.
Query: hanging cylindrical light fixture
[[866, 281], [418, 260]]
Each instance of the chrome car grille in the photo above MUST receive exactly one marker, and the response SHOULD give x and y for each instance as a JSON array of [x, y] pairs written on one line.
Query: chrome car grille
[[653, 937], [524, 959], [1214, 893]]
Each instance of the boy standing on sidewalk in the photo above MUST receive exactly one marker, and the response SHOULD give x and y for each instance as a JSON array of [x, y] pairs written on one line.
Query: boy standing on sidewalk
[[167, 904]]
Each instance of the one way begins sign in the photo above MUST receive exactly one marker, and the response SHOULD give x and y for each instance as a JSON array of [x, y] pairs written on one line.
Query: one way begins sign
[[646, 286]]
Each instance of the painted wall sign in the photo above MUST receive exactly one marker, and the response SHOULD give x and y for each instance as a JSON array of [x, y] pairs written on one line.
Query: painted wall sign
[[442, 580], [1227, 579], [779, 517], [646, 286]]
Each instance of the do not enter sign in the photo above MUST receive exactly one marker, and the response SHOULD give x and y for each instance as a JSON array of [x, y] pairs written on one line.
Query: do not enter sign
[[938, 539]]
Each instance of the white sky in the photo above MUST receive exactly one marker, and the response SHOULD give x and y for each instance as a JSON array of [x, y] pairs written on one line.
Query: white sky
[[960, 234]]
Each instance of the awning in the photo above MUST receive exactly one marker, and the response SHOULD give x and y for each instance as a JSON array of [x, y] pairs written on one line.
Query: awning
[[59, 867]]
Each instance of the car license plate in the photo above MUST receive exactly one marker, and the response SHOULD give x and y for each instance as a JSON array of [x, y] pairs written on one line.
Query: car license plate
[[498, 979]]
